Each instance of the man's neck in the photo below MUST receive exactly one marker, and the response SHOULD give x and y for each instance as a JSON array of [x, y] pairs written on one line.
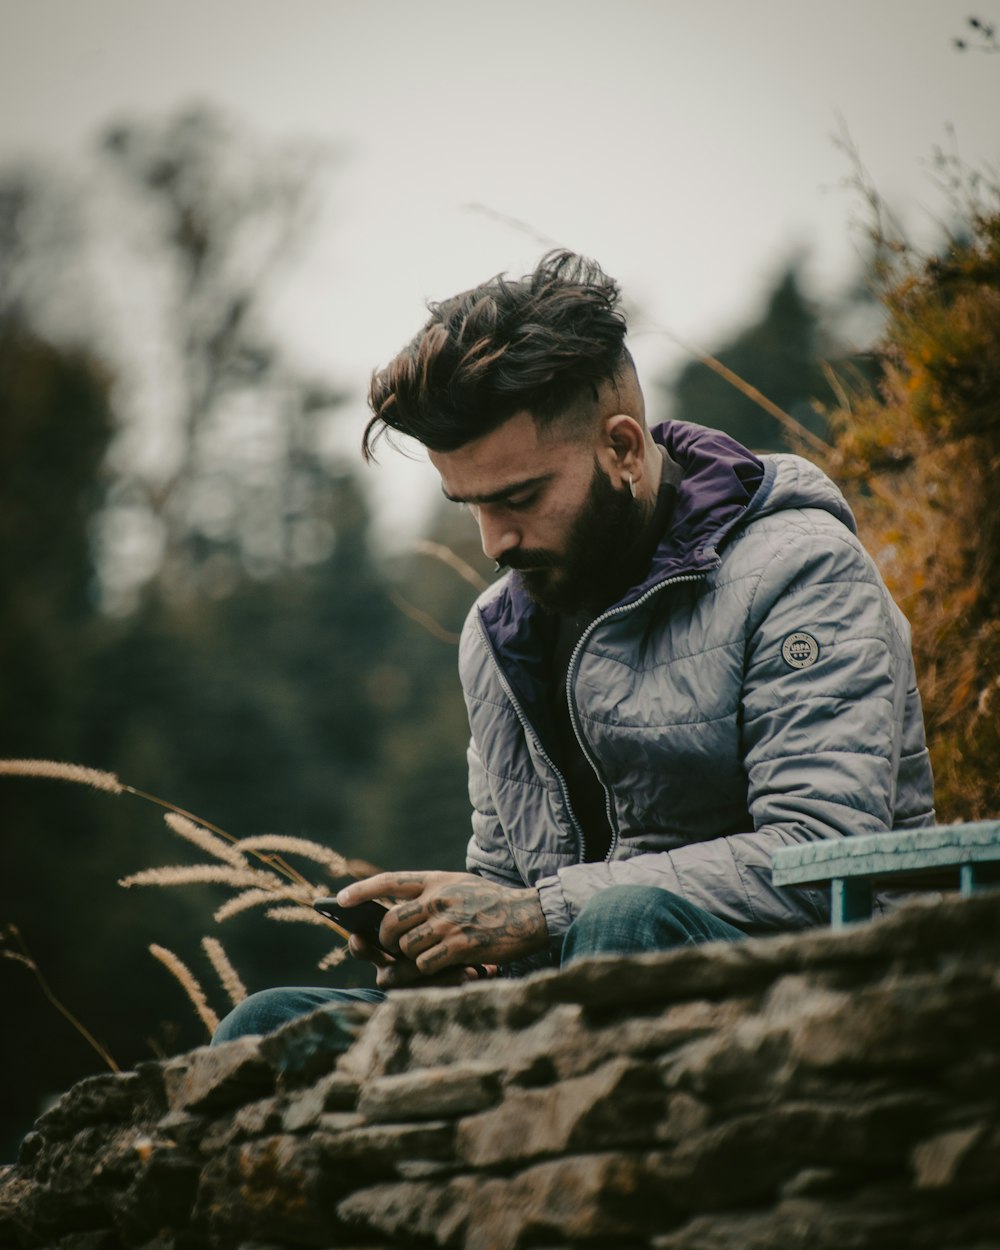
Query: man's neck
[[637, 561], [637, 557]]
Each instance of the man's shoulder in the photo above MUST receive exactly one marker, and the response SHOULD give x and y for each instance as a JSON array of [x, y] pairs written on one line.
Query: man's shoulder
[[795, 484], [487, 602], [800, 506], [802, 537], [797, 542], [472, 648]]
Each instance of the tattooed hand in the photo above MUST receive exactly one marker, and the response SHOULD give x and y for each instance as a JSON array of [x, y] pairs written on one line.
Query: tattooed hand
[[452, 920], [395, 972]]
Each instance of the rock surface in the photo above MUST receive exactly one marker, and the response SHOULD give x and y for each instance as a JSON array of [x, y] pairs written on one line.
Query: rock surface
[[822, 1090]]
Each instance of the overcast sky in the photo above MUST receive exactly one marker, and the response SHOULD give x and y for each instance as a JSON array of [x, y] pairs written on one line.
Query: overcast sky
[[686, 145]]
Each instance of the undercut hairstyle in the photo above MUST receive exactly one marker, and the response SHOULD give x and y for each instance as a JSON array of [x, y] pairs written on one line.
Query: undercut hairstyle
[[538, 344]]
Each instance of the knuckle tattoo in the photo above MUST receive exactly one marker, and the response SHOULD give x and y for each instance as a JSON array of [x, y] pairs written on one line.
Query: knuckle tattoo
[[435, 957]]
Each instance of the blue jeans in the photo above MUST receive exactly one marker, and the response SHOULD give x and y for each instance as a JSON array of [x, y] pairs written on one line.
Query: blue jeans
[[621, 920]]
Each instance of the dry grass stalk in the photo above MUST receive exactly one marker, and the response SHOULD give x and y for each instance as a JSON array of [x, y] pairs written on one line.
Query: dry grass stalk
[[55, 771], [439, 551], [101, 780], [301, 909], [198, 874], [918, 455], [18, 958], [258, 898], [257, 887], [793, 427], [302, 914], [224, 969], [189, 984], [361, 868], [24, 957], [205, 840], [335, 864], [424, 619], [332, 959]]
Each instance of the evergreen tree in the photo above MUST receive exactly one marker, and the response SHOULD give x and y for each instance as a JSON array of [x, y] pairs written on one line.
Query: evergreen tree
[[780, 354], [263, 676], [55, 424]]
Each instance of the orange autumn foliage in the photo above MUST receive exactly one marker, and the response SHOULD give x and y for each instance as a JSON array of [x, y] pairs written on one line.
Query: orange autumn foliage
[[919, 457]]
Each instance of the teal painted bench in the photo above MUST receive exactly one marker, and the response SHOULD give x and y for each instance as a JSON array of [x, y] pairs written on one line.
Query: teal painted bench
[[942, 857]]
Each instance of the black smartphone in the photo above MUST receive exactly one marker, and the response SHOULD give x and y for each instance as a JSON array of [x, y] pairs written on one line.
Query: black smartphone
[[363, 919]]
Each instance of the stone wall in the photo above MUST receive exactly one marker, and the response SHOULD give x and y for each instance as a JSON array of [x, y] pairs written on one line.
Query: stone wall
[[821, 1090]]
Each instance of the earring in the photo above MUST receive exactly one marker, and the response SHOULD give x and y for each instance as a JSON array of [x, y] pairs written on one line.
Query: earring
[[631, 485]]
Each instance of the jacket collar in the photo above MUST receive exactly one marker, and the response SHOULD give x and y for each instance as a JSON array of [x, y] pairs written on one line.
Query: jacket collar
[[720, 487], [720, 483]]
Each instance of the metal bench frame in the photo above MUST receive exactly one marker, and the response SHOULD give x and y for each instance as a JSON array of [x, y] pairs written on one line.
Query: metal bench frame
[[941, 856]]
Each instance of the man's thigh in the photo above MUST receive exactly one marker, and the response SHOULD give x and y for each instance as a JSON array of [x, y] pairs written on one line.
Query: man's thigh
[[270, 1009], [629, 919]]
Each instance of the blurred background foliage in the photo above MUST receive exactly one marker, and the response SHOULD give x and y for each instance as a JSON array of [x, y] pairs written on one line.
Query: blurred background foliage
[[919, 457], [190, 597]]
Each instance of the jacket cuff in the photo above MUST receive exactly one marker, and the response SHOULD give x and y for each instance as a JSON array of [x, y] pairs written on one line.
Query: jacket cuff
[[557, 913]]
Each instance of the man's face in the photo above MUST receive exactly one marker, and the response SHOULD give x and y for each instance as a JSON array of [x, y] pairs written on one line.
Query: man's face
[[546, 507]]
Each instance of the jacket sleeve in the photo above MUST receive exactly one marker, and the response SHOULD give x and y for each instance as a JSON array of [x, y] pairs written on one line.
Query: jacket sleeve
[[489, 857], [820, 740], [488, 854]]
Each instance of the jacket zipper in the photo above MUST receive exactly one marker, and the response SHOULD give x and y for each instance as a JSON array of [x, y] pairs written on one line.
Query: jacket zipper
[[571, 705], [530, 733], [609, 806], [529, 730]]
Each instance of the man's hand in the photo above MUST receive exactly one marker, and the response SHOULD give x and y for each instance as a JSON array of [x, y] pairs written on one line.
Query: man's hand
[[450, 920], [396, 972]]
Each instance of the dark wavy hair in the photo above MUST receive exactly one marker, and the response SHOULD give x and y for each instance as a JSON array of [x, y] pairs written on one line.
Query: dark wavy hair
[[536, 344]]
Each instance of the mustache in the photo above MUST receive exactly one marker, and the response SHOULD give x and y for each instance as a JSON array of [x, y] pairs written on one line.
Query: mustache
[[528, 558]]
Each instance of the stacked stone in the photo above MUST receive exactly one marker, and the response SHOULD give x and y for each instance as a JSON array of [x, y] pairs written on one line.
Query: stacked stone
[[813, 1091]]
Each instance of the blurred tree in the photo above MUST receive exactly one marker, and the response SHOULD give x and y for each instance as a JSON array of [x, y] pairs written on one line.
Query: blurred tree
[[918, 454], [982, 39], [55, 425], [229, 463], [228, 641], [56, 422], [419, 800], [237, 681], [781, 354]]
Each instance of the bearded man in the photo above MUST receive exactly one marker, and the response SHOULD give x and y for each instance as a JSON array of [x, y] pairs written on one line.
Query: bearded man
[[690, 661]]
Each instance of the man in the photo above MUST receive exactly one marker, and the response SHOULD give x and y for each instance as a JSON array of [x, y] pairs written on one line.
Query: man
[[691, 661]]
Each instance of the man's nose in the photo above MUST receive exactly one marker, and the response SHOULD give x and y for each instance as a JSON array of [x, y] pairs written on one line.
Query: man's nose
[[497, 534]]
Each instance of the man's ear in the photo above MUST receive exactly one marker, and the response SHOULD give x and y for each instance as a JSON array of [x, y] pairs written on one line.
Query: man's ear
[[624, 442]]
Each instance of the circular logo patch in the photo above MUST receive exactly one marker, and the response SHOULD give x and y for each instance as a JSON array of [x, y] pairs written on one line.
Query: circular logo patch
[[799, 650]]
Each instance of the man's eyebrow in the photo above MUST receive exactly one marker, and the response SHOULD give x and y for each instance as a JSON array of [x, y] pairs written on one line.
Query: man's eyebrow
[[503, 493]]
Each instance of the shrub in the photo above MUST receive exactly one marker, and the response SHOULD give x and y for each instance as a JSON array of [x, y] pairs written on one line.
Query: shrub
[[919, 458]]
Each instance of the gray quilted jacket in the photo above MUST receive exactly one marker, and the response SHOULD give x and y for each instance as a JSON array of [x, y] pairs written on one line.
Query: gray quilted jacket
[[754, 691]]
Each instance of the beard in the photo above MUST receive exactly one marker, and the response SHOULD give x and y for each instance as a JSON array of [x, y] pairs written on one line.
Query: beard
[[603, 556]]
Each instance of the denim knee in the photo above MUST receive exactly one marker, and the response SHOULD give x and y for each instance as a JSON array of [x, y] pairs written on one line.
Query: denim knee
[[259, 1013], [625, 919], [631, 902], [618, 919], [268, 1010]]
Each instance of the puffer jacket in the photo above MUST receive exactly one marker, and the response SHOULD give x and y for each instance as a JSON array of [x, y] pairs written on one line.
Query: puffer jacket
[[754, 691]]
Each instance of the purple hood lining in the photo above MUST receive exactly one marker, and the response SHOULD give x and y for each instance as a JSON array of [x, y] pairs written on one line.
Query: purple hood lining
[[723, 484]]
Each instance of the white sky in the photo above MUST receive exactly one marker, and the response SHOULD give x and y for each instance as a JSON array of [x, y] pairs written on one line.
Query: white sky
[[686, 144]]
